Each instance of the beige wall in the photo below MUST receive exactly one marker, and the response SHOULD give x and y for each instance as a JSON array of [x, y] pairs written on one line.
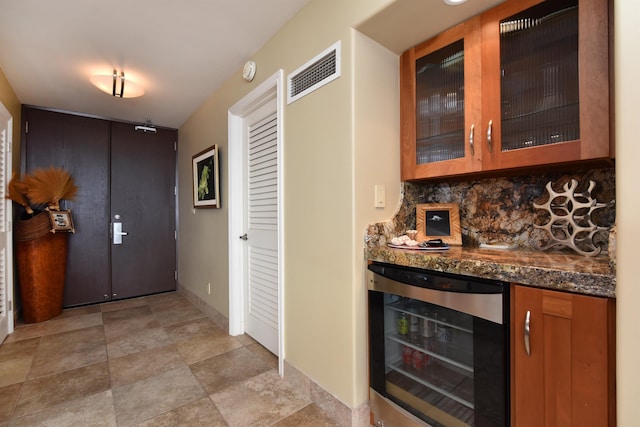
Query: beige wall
[[324, 220], [627, 62], [11, 103]]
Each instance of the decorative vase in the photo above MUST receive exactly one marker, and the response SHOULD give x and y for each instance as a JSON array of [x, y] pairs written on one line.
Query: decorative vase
[[41, 262]]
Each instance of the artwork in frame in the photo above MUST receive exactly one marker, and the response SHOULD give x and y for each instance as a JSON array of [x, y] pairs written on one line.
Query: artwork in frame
[[439, 221], [206, 179], [61, 221]]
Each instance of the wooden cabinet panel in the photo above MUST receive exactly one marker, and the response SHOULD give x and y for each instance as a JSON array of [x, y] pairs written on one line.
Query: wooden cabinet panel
[[536, 89], [567, 378]]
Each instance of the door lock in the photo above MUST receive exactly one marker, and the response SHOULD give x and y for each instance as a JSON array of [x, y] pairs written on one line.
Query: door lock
[[118, 233]]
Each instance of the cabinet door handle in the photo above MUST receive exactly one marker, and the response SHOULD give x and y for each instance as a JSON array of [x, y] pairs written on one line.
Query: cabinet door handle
[[473, 151], [527, 333], [489, 136]]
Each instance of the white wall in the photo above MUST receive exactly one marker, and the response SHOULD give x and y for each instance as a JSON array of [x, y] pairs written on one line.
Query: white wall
[[627, 63]]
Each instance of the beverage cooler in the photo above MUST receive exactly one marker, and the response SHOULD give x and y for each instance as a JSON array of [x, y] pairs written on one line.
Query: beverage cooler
[[438, 348]]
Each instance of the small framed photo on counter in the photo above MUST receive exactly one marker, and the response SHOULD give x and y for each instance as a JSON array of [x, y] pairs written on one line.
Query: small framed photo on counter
[[439, 221]]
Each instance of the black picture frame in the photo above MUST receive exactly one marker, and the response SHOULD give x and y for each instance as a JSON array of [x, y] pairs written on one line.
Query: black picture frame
[[206, 178]]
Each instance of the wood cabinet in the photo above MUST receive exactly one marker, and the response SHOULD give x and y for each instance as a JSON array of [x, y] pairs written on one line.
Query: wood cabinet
[[563, 374], [524, 84]]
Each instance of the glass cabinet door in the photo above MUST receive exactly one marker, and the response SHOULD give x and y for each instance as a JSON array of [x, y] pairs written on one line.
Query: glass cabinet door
[[539, 76], [440, 104], [545, 83]]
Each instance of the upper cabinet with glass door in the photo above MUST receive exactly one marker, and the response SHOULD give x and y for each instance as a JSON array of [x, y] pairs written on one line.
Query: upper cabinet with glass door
[[545, 83], [542, 90], [440, 104]]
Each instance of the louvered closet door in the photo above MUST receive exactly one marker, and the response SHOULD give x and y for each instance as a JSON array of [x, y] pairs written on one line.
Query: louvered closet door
[[261, 289], [6, 321]]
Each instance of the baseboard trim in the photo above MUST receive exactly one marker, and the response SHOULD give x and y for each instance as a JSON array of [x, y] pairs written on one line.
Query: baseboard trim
[[220, 320]]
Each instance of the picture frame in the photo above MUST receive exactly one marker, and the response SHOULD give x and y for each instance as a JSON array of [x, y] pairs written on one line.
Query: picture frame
[[61, 221], [439, 221], [206, 178]]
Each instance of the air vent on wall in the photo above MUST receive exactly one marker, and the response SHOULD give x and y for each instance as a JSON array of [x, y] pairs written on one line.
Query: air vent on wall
[[316, 73]]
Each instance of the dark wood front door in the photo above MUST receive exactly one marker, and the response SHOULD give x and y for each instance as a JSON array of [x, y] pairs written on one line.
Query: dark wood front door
[[118, 171], [143, 201]]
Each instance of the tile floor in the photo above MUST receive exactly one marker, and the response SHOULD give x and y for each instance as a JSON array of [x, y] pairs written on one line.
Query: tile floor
[[150, 361]]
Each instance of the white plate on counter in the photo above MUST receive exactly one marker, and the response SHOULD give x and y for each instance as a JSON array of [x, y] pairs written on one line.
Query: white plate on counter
[[419, 248]]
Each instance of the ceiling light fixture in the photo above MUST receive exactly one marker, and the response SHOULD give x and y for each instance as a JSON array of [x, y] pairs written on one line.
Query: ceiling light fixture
[[454, 2], [115, 85]]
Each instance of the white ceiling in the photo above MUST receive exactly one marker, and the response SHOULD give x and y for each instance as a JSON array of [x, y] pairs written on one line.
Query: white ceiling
[[179, 51]]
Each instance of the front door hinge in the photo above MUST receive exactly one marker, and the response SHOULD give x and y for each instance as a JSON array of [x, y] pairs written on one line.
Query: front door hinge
[[175, 145], [175, 234], [175, 274], [175, 190], [26, 127]]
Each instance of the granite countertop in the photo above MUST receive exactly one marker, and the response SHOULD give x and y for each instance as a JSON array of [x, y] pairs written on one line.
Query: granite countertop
[[557, 270]]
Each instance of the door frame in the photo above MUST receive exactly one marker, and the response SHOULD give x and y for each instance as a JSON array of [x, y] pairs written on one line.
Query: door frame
[[238, 210], [6, 117]]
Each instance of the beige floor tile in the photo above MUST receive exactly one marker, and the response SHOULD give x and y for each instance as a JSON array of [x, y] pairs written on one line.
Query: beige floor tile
[[16, 359], [69, 350], [119, 305], [46, 392], [122, 328], [309, 416], [139, 366], [54, 326], [136, 341], [126, 313], [260, 401], [78, 311], [203, 347], [192, 328], [175, 311], [156, 395], [229, 368], [94, 410], [199, 413], [162, 298], [8, 399]]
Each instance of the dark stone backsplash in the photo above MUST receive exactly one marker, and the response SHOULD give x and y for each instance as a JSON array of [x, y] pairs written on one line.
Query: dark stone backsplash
[[499, 209]]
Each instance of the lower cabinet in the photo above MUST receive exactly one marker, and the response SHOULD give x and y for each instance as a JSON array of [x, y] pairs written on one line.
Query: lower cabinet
[[562, 359]]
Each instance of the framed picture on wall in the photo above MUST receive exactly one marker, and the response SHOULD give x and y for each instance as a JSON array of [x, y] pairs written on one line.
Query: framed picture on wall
[[206, 179], [439, 221]]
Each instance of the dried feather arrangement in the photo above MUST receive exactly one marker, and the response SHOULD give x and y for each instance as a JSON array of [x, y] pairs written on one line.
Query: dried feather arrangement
[[49, 186], [17, 191], [44, 187]]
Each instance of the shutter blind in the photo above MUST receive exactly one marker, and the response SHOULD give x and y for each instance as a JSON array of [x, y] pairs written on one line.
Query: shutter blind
[[263, 215]]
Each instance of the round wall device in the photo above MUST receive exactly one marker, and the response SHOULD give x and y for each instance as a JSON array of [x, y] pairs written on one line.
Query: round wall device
[[249, 70]]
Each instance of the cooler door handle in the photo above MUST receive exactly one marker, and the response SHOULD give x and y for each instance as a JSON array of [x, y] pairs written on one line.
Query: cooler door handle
[[527, 333]]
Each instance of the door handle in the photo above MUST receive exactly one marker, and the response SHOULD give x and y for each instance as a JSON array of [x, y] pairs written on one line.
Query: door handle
[[118, 233], [244, 237], [527, 333]]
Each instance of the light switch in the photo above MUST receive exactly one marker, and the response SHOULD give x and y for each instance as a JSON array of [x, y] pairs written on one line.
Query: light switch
[[380, 195]]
